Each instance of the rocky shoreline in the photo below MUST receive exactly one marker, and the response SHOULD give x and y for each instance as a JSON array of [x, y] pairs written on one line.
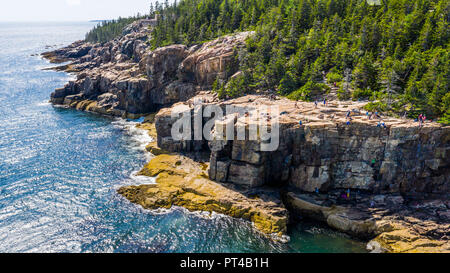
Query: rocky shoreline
[[397, 175]]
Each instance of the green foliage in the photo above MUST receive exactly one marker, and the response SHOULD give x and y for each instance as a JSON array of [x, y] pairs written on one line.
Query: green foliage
[[445, 119], [343, 94], [108, 30], [361, 94], [309, 91], [235, 87], [399, 49], [287, 84], [376, 107], [334, 77]]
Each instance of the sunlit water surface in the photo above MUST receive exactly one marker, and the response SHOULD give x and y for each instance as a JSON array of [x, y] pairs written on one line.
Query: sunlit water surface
[[60, 169]]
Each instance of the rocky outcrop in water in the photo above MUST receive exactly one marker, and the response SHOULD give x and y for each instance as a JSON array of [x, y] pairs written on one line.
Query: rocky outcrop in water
[[183, 182]]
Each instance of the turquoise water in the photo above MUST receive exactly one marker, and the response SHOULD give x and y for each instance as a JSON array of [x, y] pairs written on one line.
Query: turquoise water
[[60, 169]]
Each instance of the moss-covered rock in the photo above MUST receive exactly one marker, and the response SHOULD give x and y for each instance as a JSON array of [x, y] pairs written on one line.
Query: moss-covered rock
[[183, 182], [149, 126], [408, 241]]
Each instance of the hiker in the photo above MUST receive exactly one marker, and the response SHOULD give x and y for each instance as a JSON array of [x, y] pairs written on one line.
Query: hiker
[[420, 120], [348, 116], [317, 190], [300, 122], [348, 194], [368, 115], [315, 103], [325, 102], [372, 164]]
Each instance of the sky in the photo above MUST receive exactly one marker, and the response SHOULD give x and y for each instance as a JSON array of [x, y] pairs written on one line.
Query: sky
[[70, 10]]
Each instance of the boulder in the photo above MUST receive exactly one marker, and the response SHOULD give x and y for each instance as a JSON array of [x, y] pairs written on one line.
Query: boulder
[[213, 59]]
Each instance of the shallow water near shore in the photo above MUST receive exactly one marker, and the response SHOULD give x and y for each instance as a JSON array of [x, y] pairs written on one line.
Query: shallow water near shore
[[60, 169]]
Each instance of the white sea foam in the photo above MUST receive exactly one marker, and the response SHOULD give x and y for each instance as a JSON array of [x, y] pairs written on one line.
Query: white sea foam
[[44, 103], [141, 180], [139, 140], [201, 214], [139, 137]]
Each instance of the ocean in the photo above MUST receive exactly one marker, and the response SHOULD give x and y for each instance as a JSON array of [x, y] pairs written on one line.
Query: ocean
[[60, 169]]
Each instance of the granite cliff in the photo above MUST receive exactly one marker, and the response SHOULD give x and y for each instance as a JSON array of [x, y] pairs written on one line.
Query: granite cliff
[[125, 78]]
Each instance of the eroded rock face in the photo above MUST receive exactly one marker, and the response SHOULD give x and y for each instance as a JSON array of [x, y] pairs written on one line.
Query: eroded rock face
[[324, 153], [126, 78], [213, 59]]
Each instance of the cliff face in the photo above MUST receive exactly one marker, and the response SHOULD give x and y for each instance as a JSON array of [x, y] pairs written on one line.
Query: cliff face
[[324, 153], [338, 156], [124, 77], [396, 173]]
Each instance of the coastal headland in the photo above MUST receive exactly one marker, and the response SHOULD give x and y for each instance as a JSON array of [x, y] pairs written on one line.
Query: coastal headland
[[384, 180]]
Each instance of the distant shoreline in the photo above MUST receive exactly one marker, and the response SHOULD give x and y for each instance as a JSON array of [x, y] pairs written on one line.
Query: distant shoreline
[[98, 21]]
